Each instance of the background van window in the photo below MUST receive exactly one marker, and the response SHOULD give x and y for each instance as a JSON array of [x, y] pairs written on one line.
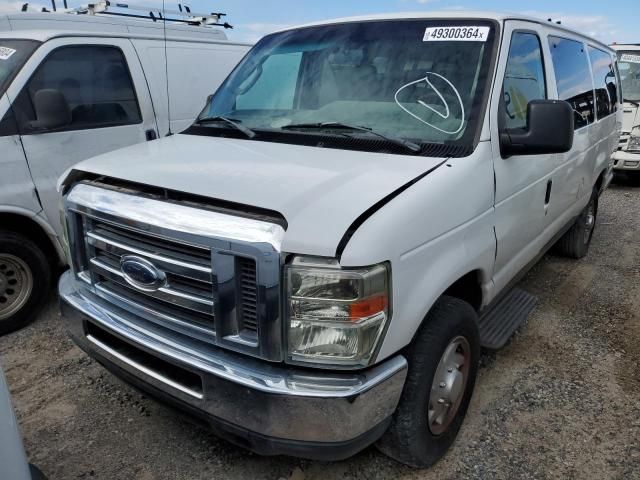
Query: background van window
[[604, 78]]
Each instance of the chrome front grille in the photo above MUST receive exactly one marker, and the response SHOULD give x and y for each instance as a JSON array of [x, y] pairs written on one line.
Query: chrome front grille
[[189, 291], [624, 140], [220, 272]]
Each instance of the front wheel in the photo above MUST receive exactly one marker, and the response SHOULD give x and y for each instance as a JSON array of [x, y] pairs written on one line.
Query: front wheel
[[25, 277], [575, 243], [443, 364]]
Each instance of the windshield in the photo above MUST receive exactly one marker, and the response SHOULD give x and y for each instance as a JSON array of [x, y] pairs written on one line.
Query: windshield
[[629, 66], [13, 54], [419, 80]]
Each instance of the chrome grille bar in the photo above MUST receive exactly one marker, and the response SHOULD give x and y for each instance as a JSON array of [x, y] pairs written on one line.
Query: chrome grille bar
[[166, 294]]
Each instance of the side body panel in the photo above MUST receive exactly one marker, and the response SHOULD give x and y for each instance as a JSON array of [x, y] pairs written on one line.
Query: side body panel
[[195, 71], [13, 460], [17, 190], [434, 233]]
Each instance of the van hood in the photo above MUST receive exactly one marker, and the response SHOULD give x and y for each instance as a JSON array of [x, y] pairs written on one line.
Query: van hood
[[320, 192]]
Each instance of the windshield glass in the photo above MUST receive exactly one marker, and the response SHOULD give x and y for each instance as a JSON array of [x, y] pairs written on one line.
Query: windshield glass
[[629, 67], [418, 80], [13, 54]]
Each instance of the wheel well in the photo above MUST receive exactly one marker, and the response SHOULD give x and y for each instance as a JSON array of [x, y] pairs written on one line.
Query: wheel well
[[468, 288], [600, 180], [24, 225]]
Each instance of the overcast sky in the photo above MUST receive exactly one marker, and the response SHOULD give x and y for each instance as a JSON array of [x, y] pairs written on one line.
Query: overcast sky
[[254, 18]]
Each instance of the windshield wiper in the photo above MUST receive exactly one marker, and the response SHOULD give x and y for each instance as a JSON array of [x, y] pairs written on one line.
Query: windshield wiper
[[229, 121], [413, 147], [635, 103]]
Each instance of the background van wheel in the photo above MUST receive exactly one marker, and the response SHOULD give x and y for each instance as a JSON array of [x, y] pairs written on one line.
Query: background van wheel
[[443, 364], [25, 278], [575, 243]]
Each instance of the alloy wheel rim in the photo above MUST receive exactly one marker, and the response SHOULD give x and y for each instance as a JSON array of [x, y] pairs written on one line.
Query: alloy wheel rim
[[16, 284], [449, 385]]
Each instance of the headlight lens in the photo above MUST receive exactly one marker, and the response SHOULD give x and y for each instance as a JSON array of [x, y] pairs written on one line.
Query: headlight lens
[[336, 316], [634, 140]]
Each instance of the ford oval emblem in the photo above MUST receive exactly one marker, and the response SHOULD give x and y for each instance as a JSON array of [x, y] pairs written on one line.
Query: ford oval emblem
[[142, 274]]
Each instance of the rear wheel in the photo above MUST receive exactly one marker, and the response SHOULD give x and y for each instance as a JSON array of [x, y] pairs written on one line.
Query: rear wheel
[[575, 243], [25, 277], [443, 363]]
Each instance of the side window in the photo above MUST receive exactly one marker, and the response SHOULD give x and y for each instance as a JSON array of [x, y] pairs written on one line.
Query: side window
[[257, 92], [604, 78], [95, 82], [524, 78], [573, 78]]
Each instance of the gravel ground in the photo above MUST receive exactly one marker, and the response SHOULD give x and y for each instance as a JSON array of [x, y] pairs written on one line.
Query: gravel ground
[[562, 400]]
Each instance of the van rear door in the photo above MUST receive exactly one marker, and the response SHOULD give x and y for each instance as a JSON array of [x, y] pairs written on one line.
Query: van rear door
[[108, 106]]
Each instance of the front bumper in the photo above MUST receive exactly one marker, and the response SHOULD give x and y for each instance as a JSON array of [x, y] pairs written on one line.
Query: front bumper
[[626, 161], [269, 408]]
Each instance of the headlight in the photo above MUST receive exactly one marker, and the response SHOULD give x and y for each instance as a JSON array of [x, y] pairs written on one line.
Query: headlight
[[634, 140], [335, 316]]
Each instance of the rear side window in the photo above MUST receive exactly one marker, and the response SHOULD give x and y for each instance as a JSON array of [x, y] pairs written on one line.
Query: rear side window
[[604, 78], [96, 83], [523, 80], [573, 78]]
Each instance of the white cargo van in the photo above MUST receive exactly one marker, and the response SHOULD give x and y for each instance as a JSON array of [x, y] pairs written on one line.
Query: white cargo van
[[627, 157], [72, 87], [316, 263]]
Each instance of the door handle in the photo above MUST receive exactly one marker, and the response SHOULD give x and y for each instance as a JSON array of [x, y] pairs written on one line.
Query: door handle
[[151, 135], [547, 196]]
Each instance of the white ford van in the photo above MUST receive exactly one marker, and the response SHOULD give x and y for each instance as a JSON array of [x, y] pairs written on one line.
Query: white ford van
[[72, 87], [627, 157], [316, 263]]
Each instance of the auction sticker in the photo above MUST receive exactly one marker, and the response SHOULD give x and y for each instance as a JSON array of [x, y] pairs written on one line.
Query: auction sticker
[[6, 52], [456, 34], [627, 57]]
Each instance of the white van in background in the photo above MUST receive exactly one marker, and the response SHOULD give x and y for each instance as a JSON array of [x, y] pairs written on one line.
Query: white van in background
[[73, 87], [627, 158]]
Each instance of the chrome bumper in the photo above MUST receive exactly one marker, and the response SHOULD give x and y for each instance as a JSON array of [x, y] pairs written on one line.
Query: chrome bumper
[[281, 410], [626, 161]]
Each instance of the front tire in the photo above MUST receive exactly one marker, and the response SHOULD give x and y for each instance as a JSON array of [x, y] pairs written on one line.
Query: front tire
[[25, 278], [443, 364], [575, 243]]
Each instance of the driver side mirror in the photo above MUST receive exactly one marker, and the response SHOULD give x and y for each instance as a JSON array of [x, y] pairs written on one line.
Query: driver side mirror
[[52, 110], [549, 130]]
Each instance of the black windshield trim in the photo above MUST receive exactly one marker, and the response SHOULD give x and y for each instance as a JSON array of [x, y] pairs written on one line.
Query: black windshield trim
[[335, 141]]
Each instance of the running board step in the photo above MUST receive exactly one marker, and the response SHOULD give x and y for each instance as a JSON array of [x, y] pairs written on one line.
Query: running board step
[[498, 324]]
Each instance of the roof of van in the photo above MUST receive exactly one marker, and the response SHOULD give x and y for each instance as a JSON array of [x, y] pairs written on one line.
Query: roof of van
[[626, 46], [453, 14], [45, 26]]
